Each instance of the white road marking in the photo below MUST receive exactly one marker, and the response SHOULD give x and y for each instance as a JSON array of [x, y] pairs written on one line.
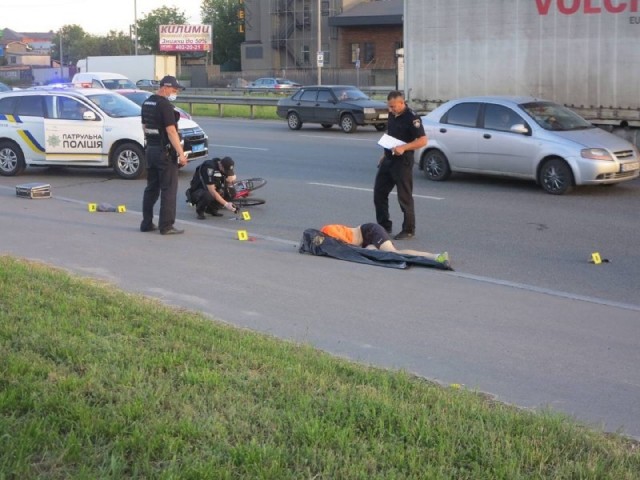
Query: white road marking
[[468, 276], [346, 138], [236, 146], [369, 190]]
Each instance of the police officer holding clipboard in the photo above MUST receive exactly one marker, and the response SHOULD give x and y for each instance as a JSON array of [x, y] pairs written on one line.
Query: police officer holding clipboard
[[395, 168], [164, 155]]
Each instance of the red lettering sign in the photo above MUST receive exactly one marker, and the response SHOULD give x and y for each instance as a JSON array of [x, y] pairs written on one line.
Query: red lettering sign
[[571, 7], [562, 8], [610, 7]]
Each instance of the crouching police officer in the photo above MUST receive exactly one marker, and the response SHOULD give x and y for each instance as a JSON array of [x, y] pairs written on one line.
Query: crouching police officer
[[212, 187], [164, 155]]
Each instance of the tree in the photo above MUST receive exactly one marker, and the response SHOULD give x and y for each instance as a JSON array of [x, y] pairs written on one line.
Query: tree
[[74, 42], [223, 15], [148, 36]]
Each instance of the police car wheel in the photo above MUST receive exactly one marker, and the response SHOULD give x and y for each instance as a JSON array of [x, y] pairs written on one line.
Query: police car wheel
[[128, 161], [11, 159]]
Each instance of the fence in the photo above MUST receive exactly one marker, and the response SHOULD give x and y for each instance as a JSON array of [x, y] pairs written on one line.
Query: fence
[[220, 97]]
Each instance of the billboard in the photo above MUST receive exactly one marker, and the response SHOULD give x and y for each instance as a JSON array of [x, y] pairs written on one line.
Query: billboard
[[185, 38]]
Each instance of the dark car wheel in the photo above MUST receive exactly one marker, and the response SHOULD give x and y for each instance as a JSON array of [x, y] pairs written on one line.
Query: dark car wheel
[[435, 165], [327, 125], [556, 177], [128, 161], [348, 123], [294, 121], [11, 159], [380, 126]]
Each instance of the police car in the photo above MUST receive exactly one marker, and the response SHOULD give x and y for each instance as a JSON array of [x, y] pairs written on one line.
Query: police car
[[70, 127], [194, 140]]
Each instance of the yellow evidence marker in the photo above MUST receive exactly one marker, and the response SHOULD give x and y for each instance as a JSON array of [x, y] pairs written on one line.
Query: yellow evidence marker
[[93, 207], [242, 235], [595, 258], [122, 209], [246, 216]]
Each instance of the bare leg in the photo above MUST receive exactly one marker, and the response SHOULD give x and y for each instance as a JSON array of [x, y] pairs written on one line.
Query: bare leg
[[439, 257]]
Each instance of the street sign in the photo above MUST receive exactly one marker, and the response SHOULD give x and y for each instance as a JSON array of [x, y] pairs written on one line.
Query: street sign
[[320, 59], [358, 63]]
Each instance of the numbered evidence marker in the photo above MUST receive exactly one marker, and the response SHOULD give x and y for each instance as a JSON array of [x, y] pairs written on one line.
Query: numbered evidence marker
[[93, 207], [122, 208], [242, 235], [595, 258], [246, 216]]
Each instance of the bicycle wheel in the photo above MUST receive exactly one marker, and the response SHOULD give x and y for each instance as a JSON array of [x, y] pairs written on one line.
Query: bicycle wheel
[[249, 184], [248, 202]]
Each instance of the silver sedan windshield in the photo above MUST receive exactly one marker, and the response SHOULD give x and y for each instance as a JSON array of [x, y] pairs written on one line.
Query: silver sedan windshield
[[552, 116]]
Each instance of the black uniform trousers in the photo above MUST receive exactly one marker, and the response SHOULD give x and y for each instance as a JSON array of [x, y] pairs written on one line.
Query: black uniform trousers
[[396, 172], [162, 181], [205, 201]]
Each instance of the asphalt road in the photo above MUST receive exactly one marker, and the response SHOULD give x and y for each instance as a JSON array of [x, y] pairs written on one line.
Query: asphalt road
[[525, 316]]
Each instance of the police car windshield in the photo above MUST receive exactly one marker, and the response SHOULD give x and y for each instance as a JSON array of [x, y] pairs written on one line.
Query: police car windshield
[[114, 105]]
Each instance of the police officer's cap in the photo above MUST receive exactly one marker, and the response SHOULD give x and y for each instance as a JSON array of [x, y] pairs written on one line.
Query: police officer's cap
[[170, 81], [228, 165]]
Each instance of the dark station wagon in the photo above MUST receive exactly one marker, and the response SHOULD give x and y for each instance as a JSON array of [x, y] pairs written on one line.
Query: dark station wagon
[[329, 105]]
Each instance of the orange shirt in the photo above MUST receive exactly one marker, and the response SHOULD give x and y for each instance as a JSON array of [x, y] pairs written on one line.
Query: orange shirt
[[341, 232]]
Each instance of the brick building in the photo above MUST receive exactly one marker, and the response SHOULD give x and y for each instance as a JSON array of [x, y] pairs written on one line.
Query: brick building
[[282, 35]]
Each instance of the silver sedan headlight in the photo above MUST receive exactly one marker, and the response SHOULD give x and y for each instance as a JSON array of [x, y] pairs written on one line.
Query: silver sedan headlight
[[596, 154]]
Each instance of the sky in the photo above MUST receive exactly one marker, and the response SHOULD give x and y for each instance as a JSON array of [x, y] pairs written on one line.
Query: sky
[[96, 17]]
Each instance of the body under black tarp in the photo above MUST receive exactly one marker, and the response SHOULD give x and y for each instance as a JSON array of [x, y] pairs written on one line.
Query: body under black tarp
[[316, 243]]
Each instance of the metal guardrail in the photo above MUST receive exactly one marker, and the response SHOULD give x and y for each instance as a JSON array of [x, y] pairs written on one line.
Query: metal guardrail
[[220, 97], [222, 100]]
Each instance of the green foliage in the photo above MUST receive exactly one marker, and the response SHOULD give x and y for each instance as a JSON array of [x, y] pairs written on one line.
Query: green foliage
[[77, 44], [95, 383], [148, 34], [223, 15]]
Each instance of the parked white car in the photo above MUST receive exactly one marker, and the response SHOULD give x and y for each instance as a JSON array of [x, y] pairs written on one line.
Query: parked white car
[[523, 137], [108, 80], [70, 127]]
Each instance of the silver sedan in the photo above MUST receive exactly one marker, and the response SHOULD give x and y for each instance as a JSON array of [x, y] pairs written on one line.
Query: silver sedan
[[523, 137]]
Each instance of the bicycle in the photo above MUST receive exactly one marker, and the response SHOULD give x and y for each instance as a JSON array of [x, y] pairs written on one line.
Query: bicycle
[[243, 189]]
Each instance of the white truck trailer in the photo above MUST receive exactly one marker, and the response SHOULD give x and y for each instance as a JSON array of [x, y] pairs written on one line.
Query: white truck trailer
[[584, 54], [134, 67]]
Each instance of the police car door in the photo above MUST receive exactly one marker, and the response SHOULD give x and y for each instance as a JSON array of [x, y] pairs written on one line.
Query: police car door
[[73, 133], [28, 114]]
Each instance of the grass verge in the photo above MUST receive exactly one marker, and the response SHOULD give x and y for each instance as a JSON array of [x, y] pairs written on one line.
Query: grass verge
[[232, 111], [96, 383]]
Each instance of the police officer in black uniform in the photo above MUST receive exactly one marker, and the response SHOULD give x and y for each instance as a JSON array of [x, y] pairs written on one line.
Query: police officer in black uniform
[[395, 168], [164, 155], [212, 187]]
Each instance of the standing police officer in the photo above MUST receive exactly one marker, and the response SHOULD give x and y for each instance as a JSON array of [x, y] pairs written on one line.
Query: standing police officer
[[164, 155], [395, 168]]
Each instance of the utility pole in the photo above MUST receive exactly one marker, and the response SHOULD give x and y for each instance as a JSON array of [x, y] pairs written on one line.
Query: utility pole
[[320, 53], [135, 23], [61, 70]]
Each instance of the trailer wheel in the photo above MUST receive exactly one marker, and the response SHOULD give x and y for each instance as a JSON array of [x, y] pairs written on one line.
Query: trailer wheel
[[435, 165], [556, 177]]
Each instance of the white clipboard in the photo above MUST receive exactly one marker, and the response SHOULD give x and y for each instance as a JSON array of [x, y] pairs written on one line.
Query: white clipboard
[[389, 142]]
